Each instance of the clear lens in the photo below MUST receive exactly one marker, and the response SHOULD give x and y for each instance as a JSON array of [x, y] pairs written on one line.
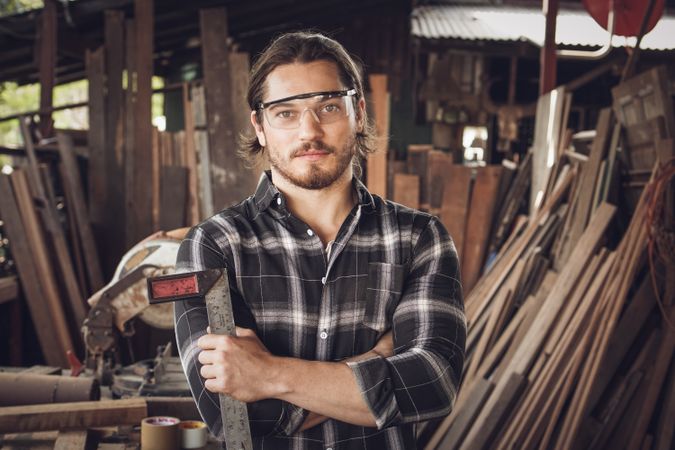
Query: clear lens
[[288, 115]]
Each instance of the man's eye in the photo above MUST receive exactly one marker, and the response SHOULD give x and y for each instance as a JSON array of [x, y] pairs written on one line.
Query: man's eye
[[331, 108], [285, 114]]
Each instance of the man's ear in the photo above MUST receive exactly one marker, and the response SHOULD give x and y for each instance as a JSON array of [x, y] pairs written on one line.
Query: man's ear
[[360, 115], [259, 132]]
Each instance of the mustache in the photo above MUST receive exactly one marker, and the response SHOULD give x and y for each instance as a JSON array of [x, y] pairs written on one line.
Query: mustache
[[316, 145]]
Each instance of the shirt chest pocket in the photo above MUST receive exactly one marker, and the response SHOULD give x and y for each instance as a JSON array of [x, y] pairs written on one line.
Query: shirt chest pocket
[[383, 292]]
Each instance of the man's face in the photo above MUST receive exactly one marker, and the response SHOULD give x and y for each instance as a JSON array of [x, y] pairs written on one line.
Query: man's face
[[310, 155]]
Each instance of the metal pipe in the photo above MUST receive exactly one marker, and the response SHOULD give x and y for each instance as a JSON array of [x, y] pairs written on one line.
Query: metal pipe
[[594, 54]]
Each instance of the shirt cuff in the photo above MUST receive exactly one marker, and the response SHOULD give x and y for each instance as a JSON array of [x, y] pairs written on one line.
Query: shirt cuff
[[377, 389]]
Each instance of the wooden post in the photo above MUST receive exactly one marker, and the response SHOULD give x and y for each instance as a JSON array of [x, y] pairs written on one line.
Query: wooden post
[[547, 59], [48, 36], [231, 180], [377, 163], [95, 63], [112, 227], [139, 224]]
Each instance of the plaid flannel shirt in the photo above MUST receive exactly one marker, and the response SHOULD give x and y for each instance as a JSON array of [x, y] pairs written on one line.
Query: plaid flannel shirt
[[390, 267]]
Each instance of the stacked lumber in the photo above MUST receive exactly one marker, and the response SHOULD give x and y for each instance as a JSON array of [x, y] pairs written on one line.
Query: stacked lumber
[[466, 199], [572, 329], [52, 245]]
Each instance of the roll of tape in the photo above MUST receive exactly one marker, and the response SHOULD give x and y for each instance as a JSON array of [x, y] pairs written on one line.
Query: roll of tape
[[160, 433], [193, 434]]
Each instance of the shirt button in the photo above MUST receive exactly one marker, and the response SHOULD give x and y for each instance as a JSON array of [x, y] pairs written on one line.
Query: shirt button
[[310, 232], [323, 280], [278, 200], [323, 335]]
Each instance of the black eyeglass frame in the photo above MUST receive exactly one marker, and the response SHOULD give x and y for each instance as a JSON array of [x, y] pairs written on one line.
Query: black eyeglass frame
[[326, 94]]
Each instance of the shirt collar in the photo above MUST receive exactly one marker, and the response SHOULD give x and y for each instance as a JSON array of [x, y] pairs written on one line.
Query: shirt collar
[[267, 192]]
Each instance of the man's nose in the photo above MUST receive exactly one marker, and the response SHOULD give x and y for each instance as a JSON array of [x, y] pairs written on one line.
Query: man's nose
[[310, 125]]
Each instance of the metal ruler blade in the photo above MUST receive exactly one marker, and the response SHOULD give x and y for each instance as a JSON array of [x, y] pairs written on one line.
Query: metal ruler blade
[[221, 320]]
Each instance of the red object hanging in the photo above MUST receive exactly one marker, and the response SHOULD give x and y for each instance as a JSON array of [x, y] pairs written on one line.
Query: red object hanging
[[628, 14]]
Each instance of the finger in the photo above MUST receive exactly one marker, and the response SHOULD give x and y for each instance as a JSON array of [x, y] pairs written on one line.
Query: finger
[[205, 357], [212, 341], [244, 332], [208, 330], [208, 371], [212, 385]]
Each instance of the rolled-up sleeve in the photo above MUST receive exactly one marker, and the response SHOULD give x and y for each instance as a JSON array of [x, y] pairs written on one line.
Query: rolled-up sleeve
[[420, 382], [266, 417]]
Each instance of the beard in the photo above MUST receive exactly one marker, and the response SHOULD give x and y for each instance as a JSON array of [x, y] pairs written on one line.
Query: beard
[[315, 177]]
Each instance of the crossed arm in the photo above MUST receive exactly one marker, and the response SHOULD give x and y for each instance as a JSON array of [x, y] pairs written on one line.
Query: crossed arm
[[243, 368]]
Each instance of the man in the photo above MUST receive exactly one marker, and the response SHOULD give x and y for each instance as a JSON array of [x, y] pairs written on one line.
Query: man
[[349, 308]]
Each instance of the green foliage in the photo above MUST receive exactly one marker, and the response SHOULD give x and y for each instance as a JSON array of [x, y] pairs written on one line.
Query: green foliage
[[9, 7]]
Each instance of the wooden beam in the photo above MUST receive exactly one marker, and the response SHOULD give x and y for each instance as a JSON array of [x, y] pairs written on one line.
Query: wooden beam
[[231, 180], [34, 287], [479, 224], [73, 184], [547, 58], [139, 222], [77, 415], [95, 62], [113, 226], [48, 36], [376, 172]]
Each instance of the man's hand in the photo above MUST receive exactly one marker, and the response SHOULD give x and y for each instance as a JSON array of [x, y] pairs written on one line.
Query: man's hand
[[240, 366]]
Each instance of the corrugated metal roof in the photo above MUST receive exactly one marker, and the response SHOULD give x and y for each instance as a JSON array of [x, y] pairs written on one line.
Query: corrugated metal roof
[[510, 23]]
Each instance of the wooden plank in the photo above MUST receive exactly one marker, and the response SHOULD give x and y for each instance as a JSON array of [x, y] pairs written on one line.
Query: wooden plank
[[34, 287], [74, 186], [407, 190], [74, 440], [34, 441], [581, 209], [491, 417], [652, 394], [417, 161], [112, 227], [524, 355], [509, 207], [50, 219], [458, 429], [231, 181], [77, 415], [192, 212], [95, 64], [438, 165], [376, 172], [37, 247], [479, 224], [76, 247], [454, 209], [140, 219], [546, 142], [205, 194]]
